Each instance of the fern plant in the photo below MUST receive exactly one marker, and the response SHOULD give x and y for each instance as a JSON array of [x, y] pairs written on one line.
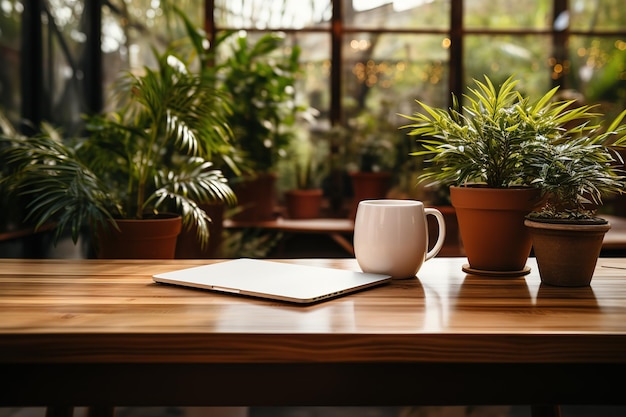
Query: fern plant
[[492, 139], [151, 155]]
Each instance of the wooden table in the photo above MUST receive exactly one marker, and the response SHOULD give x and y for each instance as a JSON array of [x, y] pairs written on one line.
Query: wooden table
[[89, 332]]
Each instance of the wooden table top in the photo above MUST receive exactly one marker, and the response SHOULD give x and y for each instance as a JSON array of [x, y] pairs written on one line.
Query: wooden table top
[[110, 311]]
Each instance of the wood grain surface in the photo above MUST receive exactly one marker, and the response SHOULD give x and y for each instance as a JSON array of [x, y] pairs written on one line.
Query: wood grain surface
[[74, 311]]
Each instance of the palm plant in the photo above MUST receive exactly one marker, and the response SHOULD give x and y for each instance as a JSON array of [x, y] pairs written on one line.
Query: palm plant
[[492, 139], [151, 155]]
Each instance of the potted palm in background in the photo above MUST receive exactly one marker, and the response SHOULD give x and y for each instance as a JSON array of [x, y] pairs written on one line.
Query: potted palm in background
[[484, 151], [149, 157], [575, 172]]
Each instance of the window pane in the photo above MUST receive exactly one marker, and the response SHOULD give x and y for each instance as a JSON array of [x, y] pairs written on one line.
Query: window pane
[[314, 84], [598, 14], [598, 71], [10, 44], [507, 14], [64, 33], [272, 14], [400, 68], [525, 57], [131, 29], [408, 14]]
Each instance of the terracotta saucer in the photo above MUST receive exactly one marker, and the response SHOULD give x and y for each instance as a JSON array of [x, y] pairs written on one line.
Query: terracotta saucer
[[467, 269]]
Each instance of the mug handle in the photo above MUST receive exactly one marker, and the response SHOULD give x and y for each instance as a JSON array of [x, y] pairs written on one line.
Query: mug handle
[[442, 231]]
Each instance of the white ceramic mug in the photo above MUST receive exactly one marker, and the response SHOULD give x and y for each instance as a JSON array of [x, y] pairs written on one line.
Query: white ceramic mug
[[391, 236]]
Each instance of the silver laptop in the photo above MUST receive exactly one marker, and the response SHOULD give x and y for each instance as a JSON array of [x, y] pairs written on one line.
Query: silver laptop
[[273, 280]]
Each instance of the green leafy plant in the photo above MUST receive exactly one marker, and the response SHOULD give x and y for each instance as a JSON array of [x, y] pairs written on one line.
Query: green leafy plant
[[492, 139], [260, 77], [152, 154], [307, 166], [574, 173]]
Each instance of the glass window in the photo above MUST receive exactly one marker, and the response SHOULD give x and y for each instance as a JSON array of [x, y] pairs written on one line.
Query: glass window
[[589, 15], [507, 14], [10, 45], [397, 68], [598, 71], [397, 14], [272, 14], [130, 29], [64, 56], [525, 57]]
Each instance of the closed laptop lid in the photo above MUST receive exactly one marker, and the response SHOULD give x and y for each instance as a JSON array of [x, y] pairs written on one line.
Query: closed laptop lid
[[273, 280]]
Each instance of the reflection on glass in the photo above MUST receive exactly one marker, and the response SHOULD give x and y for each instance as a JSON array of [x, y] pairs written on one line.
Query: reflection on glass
[[395, 14], [527, 57], [507, 14], [272, 14]]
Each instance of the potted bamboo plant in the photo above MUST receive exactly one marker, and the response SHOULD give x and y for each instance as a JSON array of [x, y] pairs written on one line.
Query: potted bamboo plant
[[150, 157], [484, 151], [575, 172]]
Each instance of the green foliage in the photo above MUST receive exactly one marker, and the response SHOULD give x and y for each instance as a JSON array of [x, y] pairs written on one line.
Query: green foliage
[[151, 155], [503, 139], [260, 77], [372, 141], [491, 140], [575, 172]]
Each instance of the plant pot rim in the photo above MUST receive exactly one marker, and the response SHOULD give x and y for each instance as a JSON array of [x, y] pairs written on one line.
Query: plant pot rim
[[305, 191], [564, 225], [150, 217], [482, 186], [371, 174], [578, 222]]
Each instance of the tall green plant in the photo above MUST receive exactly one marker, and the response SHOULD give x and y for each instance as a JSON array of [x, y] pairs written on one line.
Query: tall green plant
[[260, 78]]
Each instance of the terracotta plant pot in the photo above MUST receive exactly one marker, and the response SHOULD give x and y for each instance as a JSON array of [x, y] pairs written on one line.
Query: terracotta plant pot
[[153, 238], [566, 253], [255, 197], [491, 225], [188, 246], [452, 245], [368, 186], [303, 204]]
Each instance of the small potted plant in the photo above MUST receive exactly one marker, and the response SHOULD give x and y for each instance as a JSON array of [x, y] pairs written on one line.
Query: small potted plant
[[371, 152], [575, 172], [484, 151], [148, 157], [304, 199]]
